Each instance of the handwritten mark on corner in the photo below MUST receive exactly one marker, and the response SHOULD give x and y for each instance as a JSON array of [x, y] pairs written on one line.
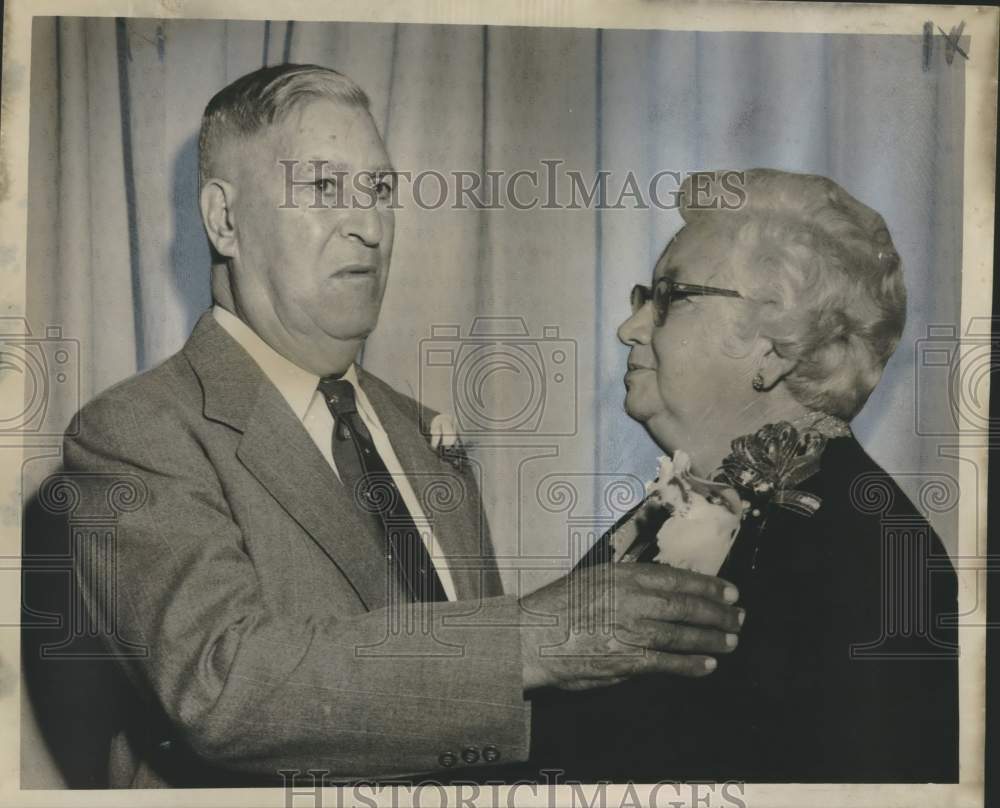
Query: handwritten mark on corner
[[952, 42]]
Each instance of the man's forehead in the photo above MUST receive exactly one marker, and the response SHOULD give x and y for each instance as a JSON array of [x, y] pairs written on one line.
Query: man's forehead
[[328, 136], [327, 123]]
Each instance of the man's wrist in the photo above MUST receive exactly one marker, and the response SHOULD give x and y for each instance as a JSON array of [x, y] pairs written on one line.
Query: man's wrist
[[533, 674]]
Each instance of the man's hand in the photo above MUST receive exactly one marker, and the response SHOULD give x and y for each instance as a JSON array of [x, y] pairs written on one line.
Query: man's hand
[[605, 624]]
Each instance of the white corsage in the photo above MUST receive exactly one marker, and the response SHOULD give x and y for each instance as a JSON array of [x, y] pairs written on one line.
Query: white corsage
[[704, 517], [445, 440], [689, 522]]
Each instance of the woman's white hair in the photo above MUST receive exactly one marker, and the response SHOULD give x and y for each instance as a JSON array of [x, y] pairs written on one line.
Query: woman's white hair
[[824, 274]]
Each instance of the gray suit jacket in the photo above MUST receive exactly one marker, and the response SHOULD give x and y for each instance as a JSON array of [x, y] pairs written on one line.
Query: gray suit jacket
[[259, 594]]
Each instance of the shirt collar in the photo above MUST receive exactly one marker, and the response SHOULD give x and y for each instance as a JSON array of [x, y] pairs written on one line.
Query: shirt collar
[[295, 384], [364, 406]]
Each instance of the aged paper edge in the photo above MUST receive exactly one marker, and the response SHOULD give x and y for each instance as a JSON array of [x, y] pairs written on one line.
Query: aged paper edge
[[981, 24]]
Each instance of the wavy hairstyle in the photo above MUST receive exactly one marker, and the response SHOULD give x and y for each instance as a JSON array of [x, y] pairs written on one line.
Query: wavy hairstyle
[[825, 276], [264, 97]]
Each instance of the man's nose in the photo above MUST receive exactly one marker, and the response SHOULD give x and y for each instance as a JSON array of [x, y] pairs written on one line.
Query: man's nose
[[637, 329], [364, 222]]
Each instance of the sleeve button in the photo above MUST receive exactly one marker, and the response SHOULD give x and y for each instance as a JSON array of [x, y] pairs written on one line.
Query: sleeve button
[[470, 755], [447, 759], [491, 754]]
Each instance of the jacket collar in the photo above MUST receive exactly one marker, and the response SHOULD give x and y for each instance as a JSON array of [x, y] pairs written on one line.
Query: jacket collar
[[277, 450], [230, 379]]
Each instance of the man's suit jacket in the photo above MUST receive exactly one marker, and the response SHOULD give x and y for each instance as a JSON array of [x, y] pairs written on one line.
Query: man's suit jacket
[[261, 592]]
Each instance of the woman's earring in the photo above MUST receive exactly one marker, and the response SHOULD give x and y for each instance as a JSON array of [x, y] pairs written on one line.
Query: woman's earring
[[758, 381]]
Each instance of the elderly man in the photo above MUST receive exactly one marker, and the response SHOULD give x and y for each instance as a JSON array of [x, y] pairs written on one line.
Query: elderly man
[[302, 603]]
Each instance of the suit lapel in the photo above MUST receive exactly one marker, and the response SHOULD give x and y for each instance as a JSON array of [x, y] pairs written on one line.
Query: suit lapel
[[279, 452], [455, 529], [276, 449]]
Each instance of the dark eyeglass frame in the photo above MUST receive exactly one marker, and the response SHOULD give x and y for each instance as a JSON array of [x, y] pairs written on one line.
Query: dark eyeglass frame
[[665, 291]]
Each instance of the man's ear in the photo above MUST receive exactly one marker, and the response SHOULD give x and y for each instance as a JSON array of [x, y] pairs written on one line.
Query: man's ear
[[773, 367], [216, 200]]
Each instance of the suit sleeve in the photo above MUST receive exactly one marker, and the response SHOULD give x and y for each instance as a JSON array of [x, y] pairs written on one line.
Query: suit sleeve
[[254, 690]]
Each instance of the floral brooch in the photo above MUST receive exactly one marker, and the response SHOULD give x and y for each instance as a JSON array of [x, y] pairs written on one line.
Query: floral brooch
[[691, 523], [764, 467]]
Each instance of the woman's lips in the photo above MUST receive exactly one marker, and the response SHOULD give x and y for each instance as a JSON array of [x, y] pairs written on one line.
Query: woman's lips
[[635, 370]]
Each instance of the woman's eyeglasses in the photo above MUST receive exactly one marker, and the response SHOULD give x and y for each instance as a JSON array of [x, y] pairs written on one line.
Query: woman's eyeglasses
[[666, 291]]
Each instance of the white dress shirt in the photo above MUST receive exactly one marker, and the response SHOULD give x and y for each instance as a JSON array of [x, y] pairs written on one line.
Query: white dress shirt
[[299, 388]]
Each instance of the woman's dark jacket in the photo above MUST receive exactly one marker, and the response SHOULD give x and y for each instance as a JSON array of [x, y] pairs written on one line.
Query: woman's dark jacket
[[846, 670]]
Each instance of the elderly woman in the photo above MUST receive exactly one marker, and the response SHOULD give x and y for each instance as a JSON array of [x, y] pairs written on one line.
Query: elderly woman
[[762, 334]]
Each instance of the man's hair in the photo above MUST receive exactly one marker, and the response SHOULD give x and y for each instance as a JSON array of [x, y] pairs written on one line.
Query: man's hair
[[825, 276], [264, 97]]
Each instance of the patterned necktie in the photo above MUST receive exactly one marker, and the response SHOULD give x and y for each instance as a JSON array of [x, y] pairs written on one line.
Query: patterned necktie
[[365, 475]]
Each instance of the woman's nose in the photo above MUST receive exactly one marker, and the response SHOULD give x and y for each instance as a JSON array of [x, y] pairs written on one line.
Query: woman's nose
[[638, 328]]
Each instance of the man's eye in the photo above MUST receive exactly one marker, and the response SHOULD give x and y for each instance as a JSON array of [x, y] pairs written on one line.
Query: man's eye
[[680, 297], [327, 185], [381, 184]]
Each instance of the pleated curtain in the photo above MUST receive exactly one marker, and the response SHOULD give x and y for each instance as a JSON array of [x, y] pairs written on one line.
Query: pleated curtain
[[118, 259]]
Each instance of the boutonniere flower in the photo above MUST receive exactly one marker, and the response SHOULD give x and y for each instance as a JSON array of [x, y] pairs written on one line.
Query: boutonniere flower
[[445, 441]]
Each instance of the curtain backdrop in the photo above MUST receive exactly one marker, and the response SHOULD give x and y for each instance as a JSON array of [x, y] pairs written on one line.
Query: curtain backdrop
[[118, 259]]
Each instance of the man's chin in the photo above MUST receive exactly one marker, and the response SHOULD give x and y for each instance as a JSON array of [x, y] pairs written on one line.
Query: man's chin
[[348, 330]]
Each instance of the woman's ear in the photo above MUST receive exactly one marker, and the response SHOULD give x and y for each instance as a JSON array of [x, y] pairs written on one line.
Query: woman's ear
[[216, 201], [773, 367]]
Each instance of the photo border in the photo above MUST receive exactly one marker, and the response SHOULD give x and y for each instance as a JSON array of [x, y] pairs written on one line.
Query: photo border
[[981, 26]]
